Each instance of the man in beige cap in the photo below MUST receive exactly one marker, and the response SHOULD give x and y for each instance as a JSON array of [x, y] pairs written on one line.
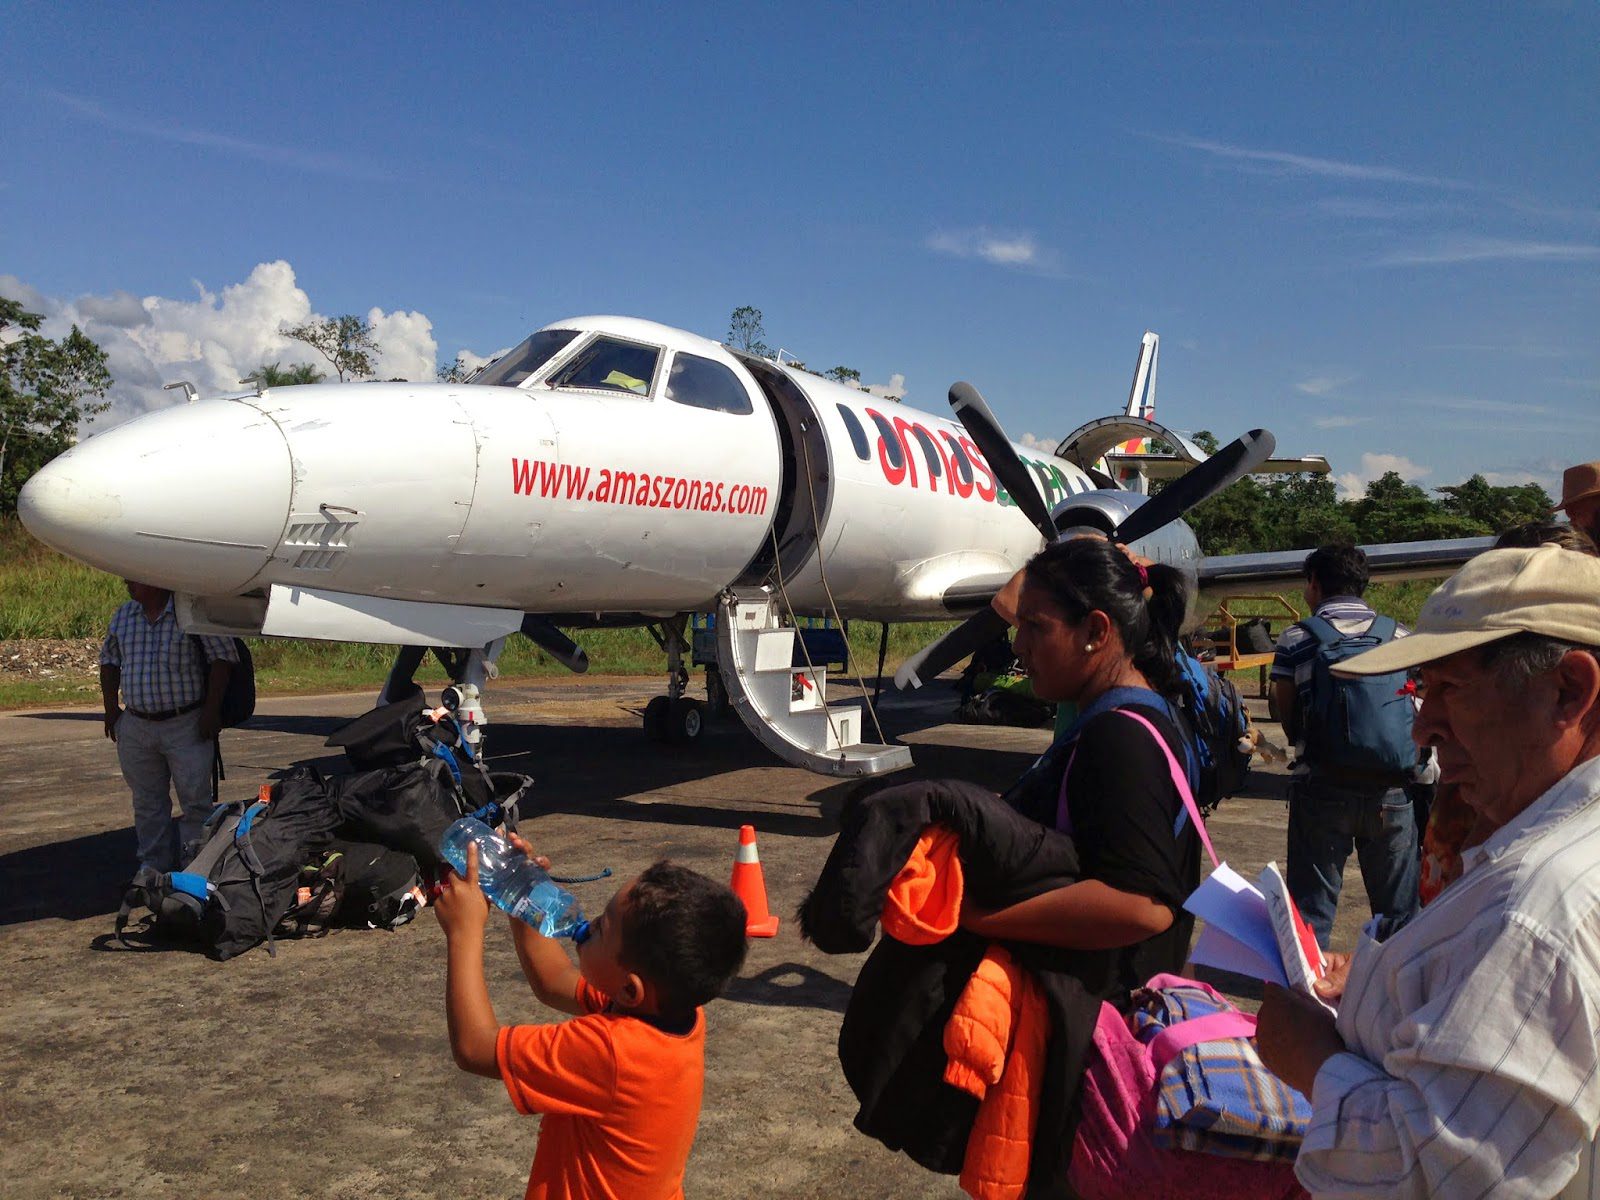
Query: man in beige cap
[[1580, 497], [1465, 1057]]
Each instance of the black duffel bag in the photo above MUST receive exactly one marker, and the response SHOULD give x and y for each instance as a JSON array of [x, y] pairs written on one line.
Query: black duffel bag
[[409, 807]]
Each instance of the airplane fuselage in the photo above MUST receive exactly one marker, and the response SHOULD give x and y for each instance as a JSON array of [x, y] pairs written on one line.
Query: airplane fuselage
[[630, 469]]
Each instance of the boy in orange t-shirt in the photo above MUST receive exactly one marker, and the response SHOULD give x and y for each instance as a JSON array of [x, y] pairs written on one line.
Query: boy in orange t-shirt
[[620, 1085]]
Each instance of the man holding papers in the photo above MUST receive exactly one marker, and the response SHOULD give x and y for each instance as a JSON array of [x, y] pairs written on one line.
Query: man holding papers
[[1465, 1057]]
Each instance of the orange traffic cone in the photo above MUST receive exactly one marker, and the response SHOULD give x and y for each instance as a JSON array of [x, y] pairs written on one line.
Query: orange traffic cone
[[751, 887]]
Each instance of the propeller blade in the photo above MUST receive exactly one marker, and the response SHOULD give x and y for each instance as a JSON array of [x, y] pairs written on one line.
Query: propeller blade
[[1228, 465], [974, 414], [938, 657]]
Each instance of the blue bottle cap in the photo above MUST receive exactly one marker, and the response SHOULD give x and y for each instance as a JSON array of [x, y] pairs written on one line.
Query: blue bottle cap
[[580, 933]]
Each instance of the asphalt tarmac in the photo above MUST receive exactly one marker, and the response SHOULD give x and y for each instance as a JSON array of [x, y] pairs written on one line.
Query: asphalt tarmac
[[325, 1071]]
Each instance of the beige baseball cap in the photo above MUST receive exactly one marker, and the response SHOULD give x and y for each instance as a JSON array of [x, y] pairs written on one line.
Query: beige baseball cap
[[1547, 590]]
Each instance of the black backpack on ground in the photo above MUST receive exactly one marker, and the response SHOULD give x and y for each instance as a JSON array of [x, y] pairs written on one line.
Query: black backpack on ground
[[415, 776], [383, 888], [243, 880], [398, 733], [409, 807], [318, 897]]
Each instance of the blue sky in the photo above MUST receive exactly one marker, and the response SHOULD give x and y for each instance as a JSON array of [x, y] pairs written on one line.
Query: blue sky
[[1374, 228]]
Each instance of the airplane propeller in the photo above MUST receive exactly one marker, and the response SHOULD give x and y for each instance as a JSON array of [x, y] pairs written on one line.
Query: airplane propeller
[[973, 413], [1228, 465]]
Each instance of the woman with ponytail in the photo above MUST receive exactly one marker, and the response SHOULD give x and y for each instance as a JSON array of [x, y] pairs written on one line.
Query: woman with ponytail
[[1099, 629]]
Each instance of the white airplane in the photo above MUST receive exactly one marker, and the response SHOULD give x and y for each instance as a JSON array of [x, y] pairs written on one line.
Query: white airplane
[[614, 471]]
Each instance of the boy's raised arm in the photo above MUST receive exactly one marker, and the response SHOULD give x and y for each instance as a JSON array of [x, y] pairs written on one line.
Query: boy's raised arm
[[463, 911], [549, 972]]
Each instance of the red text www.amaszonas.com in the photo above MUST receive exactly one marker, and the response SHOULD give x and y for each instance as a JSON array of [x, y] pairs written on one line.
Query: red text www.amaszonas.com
[[564, 481]]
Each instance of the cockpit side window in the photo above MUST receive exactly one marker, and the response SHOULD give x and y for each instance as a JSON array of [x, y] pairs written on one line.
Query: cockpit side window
[[705, 383], [525, 358], [611, 365]]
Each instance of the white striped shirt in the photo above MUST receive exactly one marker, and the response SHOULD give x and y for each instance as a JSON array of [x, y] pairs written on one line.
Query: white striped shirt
[[1474, 1032], [161, 669]]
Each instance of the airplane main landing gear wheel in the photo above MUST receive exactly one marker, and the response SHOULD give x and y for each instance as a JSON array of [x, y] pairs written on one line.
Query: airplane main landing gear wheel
[[655, 719], [678, 722], [686, 719]]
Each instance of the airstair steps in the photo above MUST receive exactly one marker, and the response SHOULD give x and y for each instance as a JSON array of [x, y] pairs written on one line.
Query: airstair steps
[[785, 706]]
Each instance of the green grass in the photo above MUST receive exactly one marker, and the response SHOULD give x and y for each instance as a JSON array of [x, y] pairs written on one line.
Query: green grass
[[45, 595]]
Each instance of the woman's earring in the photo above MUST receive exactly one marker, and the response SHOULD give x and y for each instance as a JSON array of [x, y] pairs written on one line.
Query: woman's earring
[[1088, 647]]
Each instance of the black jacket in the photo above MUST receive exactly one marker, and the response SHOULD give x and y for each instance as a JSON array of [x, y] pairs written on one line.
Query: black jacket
[[891, 1044]]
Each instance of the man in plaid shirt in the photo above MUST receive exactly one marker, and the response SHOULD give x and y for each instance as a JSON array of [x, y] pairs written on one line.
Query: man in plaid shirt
[[166, 729]]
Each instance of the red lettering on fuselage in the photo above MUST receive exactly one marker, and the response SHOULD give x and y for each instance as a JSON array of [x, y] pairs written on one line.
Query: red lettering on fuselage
[[640, 489], [985, 490]]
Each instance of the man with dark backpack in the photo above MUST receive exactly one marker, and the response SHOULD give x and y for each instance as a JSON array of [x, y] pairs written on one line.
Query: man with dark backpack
[[1354, 753], [171, 688]]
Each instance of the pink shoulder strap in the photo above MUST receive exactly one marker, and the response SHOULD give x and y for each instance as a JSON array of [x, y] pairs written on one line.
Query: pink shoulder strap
[[1175, 1039], [1179, 781]]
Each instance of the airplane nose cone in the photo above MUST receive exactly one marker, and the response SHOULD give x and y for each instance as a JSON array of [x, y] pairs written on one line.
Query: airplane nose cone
[[191, 498]]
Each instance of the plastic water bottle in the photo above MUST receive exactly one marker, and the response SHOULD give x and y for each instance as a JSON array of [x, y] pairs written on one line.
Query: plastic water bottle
[[512, 880]]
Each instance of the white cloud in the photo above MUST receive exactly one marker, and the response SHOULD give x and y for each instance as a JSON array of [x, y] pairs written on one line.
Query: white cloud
[[1001, 248], [1450, 251], [406, 347], [1549, 480], [1357, 208], [215, 339], [1047, 445], [1353, 484], [1471, 404], [1323, 385], [895, 389], [1305, 164], [1339, 422], [314, 161]]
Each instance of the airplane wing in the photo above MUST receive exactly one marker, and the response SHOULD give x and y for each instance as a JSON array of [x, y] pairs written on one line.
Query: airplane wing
[[1240, 574], [1170, 466]]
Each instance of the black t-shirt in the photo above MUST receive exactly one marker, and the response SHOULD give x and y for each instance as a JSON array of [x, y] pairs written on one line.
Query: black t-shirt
[[1124, 808]]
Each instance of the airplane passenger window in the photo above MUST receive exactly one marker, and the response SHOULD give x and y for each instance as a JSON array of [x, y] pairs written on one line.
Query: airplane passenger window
[[704, 383], [858, 435], [890, 441], [929, 450], [610, 365], [963, 464], [527, 357]]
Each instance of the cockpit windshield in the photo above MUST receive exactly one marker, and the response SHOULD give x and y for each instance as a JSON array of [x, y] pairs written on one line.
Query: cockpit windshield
[[524, 359]]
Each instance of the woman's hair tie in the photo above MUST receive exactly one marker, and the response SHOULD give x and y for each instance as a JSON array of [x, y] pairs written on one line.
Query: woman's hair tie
[[1144, 579]]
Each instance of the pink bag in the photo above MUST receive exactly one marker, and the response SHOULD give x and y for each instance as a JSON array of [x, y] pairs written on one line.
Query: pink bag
[[1115, 1154]]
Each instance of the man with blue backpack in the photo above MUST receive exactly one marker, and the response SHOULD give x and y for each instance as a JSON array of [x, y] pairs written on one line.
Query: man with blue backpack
[[1354, 753]]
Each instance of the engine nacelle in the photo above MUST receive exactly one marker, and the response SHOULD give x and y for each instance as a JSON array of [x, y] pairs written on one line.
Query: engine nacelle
[[1101, 511]]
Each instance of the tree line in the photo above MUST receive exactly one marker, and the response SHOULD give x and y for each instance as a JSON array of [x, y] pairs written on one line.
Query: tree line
[[1291, 512]]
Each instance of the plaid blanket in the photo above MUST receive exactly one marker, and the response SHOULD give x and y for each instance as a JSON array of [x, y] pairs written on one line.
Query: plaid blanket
[[1216, 1097]]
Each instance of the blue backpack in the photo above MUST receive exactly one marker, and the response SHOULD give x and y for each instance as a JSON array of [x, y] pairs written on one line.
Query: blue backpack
[[1216, 719], [1358, 723]]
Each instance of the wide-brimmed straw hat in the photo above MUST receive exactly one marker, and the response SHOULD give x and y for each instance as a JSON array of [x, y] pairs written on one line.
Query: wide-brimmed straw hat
[[1579, 483], [1500, 593]]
